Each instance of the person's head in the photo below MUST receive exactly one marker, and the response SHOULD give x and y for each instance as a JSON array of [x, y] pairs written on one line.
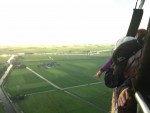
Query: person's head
[[123, 53], [140, 32], [140, 35]]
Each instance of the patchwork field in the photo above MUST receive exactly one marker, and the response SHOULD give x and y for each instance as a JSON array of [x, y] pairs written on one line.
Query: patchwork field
[[60, 84]]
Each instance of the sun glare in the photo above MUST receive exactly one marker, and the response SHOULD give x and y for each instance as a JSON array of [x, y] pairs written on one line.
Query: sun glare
[[59, 23]]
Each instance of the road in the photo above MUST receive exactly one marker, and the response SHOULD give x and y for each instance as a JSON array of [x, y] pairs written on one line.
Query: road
[[7, 105], [5, 74], [6, 102]]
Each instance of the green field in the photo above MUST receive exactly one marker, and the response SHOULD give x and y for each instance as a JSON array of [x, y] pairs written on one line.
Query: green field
[[55, 102], [74, 88], [24, 82], [52, 48], [1, 107], [3, 58]]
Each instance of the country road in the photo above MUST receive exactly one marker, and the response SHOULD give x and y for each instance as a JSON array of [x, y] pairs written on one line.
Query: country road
[[6, 102]]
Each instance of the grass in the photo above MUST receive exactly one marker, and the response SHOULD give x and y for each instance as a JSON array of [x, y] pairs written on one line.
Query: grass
[[52, 48], [55, 102], [2, 108], [98, 94], [23, 81], [71, 71], [3, 59]]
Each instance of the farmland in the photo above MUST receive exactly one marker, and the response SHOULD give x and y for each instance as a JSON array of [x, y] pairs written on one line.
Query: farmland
[[1, 108], [60, 83]]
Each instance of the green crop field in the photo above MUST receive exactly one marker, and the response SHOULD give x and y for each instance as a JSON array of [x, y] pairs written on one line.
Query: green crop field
[[1, 107], [60, 83], [52, 48], [3, 58], [24, 82], [55, 102]]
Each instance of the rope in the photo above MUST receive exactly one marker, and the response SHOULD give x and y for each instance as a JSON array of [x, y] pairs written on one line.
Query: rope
[[136, 4]]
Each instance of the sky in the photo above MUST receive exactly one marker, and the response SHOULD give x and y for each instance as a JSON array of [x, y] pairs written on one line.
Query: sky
[[52, 22]]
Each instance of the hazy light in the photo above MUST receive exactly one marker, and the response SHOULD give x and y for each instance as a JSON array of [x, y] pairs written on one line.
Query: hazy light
[[65, 21]]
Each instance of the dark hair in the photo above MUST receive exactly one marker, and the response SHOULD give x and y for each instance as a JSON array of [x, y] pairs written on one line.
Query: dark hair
[[142, 79], [141, 35], [122, 54]]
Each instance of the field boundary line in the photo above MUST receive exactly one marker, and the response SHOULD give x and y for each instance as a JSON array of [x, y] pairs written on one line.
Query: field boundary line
[[85, 101], [82, 85], [41, 92], [44, 78], [68, 92]]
